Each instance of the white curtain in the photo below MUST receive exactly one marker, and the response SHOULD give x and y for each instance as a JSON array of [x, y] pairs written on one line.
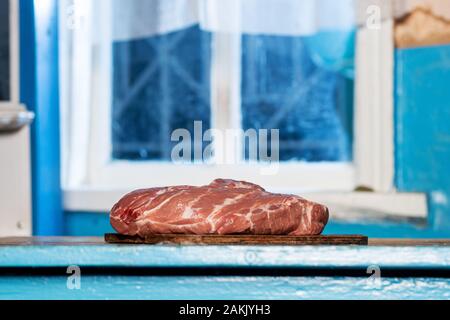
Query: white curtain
[[76, 39], [142, 18]]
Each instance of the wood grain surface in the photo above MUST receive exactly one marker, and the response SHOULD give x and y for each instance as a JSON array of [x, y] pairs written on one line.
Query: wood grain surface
[[238, 240]]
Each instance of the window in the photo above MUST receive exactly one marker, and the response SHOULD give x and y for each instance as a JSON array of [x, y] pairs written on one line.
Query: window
[[228, 65], [13, 115], [162, 82], [5, 91], [9, 56]]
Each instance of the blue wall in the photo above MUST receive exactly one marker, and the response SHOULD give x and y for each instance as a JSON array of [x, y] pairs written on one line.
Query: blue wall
[[39, 92], [423, 128]]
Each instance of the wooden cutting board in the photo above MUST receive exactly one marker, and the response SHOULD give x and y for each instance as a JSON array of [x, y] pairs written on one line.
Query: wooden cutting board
[[331, 240]]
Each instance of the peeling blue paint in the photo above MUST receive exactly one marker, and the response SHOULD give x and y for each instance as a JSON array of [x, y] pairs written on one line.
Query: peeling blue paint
[[250, 257], [223, 288]]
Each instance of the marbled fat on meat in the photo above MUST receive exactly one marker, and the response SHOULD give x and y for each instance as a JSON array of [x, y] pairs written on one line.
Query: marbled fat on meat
[[223, 207]]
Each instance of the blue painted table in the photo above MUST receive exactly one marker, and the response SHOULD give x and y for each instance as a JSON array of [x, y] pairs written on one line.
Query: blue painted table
[[35, 268]]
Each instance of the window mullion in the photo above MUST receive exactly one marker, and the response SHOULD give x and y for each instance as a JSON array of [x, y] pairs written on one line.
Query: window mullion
[[226, 89]]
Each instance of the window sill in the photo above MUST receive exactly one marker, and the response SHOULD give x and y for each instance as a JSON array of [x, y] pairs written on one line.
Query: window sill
[[343, 205]]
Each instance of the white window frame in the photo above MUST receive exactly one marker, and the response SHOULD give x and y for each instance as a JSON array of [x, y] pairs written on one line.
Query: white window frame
[[100, 182]]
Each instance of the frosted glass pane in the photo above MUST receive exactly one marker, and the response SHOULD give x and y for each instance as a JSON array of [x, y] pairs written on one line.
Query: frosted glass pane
[[283, 88], [161, 83]]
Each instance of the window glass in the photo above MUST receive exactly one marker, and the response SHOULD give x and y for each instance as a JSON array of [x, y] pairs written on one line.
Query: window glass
[[295, 79], [285, 88], [161, 83], [4, 51]]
